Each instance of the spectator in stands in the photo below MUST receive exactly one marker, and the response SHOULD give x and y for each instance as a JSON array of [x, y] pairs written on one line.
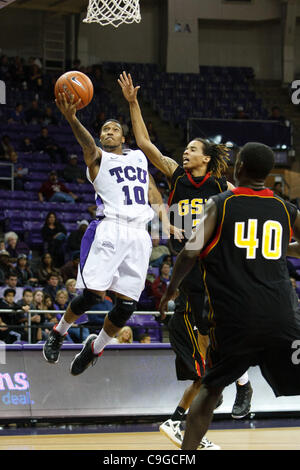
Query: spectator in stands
[[24, 272], [27, 146], [158, 251], [75, 237], [4, 68], [15, 246], [70, 269], [163, 189], [38, 300], [45, 143], [36, 333], [33, 115], [17, 116], [11, 283], [145, 338], [159, 286], [277, 116], [240, 113], [125, 336], [16, 319], [73, 173], [6, 266], [71, 288], [61, 300], [96, 320], [54, 191], [46, 267], [20, 173], [7, 147], [48, 117], [35, 78], [52, 286], [279, 190], [54, 235]]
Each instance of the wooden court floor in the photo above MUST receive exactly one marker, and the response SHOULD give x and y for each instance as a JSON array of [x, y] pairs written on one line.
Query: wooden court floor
[[241, 439]]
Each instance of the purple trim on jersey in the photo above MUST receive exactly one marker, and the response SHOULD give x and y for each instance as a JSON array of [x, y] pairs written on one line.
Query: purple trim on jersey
[[86, 243], [100, 206]]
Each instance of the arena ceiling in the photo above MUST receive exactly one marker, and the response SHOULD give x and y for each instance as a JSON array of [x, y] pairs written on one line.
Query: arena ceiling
[[57, 6]]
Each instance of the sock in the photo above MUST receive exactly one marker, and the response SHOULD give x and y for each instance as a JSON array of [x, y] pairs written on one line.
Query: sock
[[101, 341], [178, 414], [244, 379], [62, 327]]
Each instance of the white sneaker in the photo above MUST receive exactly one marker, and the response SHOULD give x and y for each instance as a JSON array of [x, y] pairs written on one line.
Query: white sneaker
[[172, 430], [205, 444]]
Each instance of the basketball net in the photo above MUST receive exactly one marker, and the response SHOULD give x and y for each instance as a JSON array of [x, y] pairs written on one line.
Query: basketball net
[[114, 12]]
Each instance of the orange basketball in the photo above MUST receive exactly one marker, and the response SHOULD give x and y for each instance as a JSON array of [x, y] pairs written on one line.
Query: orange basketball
[[75, 83]]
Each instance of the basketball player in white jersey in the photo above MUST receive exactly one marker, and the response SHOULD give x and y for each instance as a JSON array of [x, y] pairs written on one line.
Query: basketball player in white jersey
[[116, 247]]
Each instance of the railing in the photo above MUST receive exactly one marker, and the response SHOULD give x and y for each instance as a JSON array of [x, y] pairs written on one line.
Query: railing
[[11, 177], [61, 312]]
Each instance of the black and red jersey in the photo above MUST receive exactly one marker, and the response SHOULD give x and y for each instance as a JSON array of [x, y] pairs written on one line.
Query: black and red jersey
[[186, 200], [244, 266]]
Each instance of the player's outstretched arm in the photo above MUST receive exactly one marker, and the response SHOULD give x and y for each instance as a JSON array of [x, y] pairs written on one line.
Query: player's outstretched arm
[[294, 247], [165, 164], [92, 153]]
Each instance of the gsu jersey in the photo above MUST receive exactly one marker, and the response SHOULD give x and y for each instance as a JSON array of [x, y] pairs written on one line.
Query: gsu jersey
[[187, 198], [245, 270], [121, 187]]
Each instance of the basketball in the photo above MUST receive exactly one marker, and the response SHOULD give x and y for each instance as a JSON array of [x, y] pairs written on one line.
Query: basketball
[[75, 83]]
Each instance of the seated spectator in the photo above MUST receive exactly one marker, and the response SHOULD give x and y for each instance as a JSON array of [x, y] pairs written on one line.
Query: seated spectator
[[240, 113], [71, 289], [6, 266], [33, 115], [46, 267], [52, 286], [276, 115], [6, 147], [75, 237], [49, 118], [27, 146], [11, 283], [36, 333], [125, 336], [14, 246], [16, 319], [77, 332], [70, 269], [96, 321], [158, 251], [160, 284], [73, 173], [35, 78], [39, 303], [54, 235], [24, 272], [45, 143], [20, 173], [17, 115], [54, 191], [145, 339], [278, 189]]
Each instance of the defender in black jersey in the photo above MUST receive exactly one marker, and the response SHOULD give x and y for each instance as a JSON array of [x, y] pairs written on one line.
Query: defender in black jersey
[[243, 241], [200, 176]]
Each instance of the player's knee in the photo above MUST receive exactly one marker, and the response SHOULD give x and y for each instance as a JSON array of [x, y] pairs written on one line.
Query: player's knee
[[84, 302], [121, 312]]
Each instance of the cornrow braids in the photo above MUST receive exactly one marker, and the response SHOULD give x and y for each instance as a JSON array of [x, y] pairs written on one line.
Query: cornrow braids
[[219, 154]]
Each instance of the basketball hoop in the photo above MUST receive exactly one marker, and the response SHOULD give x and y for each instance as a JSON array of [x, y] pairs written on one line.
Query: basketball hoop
[[114, 12]]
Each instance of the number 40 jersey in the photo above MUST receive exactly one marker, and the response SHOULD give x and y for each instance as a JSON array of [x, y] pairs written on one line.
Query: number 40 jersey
[[121, 187]]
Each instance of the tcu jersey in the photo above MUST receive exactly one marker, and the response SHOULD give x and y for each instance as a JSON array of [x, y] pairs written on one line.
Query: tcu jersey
[[186, 200], [121, 187], [245, 270]]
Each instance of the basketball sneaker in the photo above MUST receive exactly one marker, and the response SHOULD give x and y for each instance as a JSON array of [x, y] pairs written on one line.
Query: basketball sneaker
[[52, 346], [173, 431], [242, 404], [85, 358], [205, 444]]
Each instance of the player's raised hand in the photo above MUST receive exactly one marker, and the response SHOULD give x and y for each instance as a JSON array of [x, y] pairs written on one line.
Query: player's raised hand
[[67, 107], [128, 89]]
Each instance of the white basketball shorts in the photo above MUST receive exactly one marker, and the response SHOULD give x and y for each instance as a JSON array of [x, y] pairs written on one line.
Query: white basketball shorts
[[114, 256]]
